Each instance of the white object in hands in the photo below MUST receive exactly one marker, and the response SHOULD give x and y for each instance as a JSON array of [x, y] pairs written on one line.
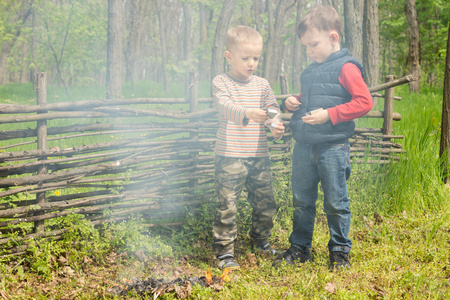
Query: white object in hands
[[314, 111]]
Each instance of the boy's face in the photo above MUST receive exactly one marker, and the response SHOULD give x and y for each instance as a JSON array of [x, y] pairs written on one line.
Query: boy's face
[[320, 44], [243, 59]]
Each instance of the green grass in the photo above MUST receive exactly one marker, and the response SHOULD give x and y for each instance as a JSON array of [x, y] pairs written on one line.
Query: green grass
[[414, 183], [400, 231]]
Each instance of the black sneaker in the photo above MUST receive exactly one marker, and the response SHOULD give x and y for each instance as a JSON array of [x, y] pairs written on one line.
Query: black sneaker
[[293, 255], [266, 248], [227, 261], [339, 260]]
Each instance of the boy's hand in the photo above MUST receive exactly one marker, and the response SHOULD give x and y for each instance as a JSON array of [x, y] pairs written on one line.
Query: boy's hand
[[278, 130], [317, 118], [256, 114], [292, 103]]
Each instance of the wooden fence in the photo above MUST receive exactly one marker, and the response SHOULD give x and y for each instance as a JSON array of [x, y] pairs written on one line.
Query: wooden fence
[[111, 159]]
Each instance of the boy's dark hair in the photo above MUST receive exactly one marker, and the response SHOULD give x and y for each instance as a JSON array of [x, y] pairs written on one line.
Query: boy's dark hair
[[322, 18]]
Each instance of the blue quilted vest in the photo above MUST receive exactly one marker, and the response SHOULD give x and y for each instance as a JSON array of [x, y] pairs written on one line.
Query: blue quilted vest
[[321, 88]]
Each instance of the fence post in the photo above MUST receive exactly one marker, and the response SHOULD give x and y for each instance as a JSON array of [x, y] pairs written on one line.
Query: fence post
[[40, 80], [388, 108], [193, 107], [284, 88]]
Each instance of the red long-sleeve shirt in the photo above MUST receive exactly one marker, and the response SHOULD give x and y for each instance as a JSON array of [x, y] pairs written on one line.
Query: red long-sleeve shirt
[[361, 103]]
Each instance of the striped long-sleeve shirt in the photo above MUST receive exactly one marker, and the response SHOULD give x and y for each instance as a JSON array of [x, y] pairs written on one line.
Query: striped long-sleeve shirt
[[238, 136]]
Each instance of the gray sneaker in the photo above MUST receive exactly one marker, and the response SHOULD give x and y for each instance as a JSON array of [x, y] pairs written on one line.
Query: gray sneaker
[[227, 261], [266, 248], [339, 260], [293, 255]]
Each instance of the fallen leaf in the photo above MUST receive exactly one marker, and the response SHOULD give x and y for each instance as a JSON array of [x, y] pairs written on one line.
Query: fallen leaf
[[330, 287], [183, 292], [251, 259], [62, 261], [378, 218], [68, 271], [81, 281]]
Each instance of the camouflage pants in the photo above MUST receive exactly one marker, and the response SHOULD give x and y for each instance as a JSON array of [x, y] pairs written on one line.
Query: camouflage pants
[[231, 176]]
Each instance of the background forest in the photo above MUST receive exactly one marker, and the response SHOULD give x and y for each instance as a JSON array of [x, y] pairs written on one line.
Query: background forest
[[164, 40]]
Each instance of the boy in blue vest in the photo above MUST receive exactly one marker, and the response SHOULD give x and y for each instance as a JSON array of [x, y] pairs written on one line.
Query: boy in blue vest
[[333, 93]]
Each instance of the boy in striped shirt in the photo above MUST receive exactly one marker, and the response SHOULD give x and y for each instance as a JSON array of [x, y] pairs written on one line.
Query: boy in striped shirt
[[242, 152]]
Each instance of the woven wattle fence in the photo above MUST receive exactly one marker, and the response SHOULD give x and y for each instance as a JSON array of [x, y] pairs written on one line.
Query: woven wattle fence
[[109, 160]]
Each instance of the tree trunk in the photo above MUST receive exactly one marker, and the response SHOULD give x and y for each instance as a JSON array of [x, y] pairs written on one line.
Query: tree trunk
[[445, 124], [187, 13], [137, 12], [114, 50], [163, 42], [258, 9], [219, 38], [390, 59], [353, 27], [371, 42], [413, 55], [204, 22], [23, 14], [297, 60], [272, 59], [34, 65], [187, 28], [333, 3]]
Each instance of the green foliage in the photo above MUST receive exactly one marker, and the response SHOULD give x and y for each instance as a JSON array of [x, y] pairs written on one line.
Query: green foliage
[[68, 39], [131, 237], [75, 34], [194, 236], [433, 18], [394, 31], [433, 27], [82, 238], [42, 253], [414, 183]]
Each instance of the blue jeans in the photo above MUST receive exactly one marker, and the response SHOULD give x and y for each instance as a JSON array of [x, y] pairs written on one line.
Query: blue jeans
[[330, 165]]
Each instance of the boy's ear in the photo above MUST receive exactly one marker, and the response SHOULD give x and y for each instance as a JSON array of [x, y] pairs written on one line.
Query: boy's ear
[[334, 37], [228, 55]]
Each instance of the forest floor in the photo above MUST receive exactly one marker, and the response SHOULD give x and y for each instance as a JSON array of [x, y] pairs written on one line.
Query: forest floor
[[107, 280], [394, 257]]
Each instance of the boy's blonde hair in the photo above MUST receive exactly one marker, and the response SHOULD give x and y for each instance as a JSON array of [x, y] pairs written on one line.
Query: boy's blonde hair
[[242, 34], [322, 18]]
